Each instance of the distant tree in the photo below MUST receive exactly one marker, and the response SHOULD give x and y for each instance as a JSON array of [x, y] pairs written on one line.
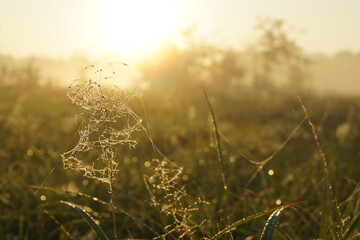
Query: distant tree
[[274, 59], [195, 63], [277, 58], [168, 68], [22, 75]]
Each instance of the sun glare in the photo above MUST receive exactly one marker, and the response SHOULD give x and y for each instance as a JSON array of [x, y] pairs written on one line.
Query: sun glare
[[138, 25]]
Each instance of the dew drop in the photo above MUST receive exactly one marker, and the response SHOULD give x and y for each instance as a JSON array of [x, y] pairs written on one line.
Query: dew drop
[[185, 178], [147, 164]]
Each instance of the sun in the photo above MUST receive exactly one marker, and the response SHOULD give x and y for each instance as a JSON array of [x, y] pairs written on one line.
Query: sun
[[138, 25]]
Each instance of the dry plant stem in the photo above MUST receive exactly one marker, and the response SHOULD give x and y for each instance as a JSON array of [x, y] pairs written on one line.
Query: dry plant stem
[[112, 194], [111, 187], [111, 180], [324, 163]]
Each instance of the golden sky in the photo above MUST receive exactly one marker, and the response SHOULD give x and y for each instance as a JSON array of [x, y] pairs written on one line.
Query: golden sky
[[133, 27]]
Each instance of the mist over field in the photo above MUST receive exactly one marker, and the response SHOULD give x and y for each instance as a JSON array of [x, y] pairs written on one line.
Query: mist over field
[[336, 73]]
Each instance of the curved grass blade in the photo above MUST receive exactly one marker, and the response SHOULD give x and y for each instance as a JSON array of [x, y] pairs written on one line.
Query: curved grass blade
[[351, 227], [217, 138], [63, 229], [117, 209], [270, 225], [88, 218], [72, 193], [232, 226]]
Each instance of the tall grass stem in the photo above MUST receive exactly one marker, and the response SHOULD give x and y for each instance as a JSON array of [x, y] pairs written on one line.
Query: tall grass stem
[[218, 144], [324, 164]]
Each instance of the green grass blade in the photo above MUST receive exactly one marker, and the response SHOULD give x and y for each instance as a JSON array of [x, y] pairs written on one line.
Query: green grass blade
[[21, 227], [270, 225], [232, 226], [351, 227], [324, 211], [79, 194], [218, 144], [88, 218]]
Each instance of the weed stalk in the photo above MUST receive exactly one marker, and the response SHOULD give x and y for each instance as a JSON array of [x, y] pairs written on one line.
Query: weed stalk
[[325, 165]]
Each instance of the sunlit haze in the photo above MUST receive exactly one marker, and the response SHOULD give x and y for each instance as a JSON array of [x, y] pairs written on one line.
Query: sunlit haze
[[137, 26], [61, 28]]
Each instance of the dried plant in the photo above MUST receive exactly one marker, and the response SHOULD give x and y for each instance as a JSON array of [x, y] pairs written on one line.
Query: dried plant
[[105, 123], [169, 195]]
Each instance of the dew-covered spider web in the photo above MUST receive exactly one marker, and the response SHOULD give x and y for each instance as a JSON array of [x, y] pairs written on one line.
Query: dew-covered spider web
[[105, 122]]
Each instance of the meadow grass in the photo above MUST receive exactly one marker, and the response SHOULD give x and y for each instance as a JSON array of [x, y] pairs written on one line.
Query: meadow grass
[[259, 147]]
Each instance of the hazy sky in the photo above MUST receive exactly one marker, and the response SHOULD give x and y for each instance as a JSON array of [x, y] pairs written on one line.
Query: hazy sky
[[59, 28]]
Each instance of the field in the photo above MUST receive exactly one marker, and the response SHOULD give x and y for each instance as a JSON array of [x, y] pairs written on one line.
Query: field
[[269, 150], [217, 144]]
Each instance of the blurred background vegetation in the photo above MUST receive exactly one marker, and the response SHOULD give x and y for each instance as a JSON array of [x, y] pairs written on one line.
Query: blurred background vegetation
[[253, 94]]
